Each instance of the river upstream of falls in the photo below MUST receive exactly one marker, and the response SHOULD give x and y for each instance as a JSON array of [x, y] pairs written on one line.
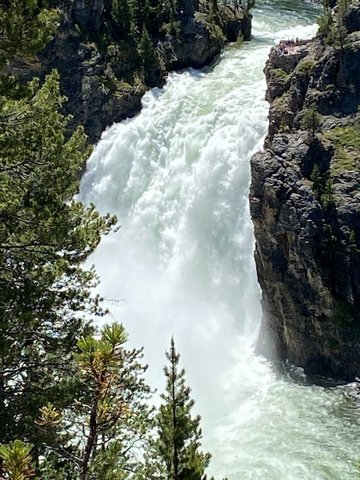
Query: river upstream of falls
[[177, 176]]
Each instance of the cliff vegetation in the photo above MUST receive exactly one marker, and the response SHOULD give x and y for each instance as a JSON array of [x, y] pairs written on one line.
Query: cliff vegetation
[[109, 52]]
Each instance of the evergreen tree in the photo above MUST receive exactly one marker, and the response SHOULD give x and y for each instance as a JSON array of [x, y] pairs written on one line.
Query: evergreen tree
[[140, 12], [45, 236], [110, 418], [214, 12], [327, 197], [156, 16], [325, 20], [171, 9], [340, 30], [25, 27], [16, 461], [120, 13], [311, 121], [149, 60], [332, 27], [178, 432], [318, 181]]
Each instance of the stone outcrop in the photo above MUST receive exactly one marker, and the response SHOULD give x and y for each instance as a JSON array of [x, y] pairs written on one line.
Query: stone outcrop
[[199, 44], [100, 72], [305, 205]]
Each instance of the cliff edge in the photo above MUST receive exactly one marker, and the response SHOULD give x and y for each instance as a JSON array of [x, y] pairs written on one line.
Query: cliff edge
[[305, 200], [100, 51]]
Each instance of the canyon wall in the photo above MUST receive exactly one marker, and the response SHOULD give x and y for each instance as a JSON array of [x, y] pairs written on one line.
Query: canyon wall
[[100, 69], [305, 204]]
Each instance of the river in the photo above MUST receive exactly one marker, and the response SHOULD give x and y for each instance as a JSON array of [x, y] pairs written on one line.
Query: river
[[177, 176]]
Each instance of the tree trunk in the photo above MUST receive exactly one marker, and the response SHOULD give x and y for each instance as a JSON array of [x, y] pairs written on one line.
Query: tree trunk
[[91, 440], [175, 451]]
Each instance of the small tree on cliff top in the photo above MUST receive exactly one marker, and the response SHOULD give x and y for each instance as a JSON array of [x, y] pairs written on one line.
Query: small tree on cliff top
[[311, 121], [149, 59], [120, 13]]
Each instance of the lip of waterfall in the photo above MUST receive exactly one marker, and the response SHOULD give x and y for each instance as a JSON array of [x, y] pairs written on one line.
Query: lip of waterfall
[[177, 176]]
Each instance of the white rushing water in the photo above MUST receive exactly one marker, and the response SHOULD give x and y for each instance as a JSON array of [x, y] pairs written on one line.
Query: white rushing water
[[177, 177]]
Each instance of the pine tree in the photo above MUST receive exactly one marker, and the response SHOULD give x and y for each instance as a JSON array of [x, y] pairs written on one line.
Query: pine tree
[[171, 10], [120, 13], [311, 121], [140, 12], [156, 16], [332, 27], [325, 20], [110, 418], [327, 198], [149, 60], [45, 236], [317, 179], [25, 27], [16, 461], [214, 12], [340, 28], [178, 432]]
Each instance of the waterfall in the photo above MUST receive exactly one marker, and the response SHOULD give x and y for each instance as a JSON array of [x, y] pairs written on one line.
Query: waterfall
[[177, 176]]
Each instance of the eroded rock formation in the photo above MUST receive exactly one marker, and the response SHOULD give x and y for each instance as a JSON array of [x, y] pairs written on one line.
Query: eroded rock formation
[[305, 205]]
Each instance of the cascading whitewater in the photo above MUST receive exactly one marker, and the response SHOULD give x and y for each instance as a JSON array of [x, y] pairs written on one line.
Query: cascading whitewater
[[177, 176]]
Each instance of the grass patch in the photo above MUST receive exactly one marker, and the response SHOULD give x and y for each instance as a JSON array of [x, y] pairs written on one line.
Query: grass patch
[[305, 67], [281, 104], [116, 87], [346, 142], [280, 73], [343, 161], [172, 28]]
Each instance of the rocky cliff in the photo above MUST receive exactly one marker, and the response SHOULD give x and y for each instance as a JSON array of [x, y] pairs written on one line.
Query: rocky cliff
[[100, 69], [305, 202]]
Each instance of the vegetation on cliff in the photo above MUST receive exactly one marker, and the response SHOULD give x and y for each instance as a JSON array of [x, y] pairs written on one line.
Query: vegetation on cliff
[[97, 50]]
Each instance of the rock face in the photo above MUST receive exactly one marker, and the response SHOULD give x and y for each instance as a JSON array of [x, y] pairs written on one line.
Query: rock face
[[87, 13], [305, 205], [94, 82], [100, 72], [199, 45]]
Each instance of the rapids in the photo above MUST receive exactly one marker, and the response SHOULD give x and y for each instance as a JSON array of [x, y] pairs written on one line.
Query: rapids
[[177, 176]]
